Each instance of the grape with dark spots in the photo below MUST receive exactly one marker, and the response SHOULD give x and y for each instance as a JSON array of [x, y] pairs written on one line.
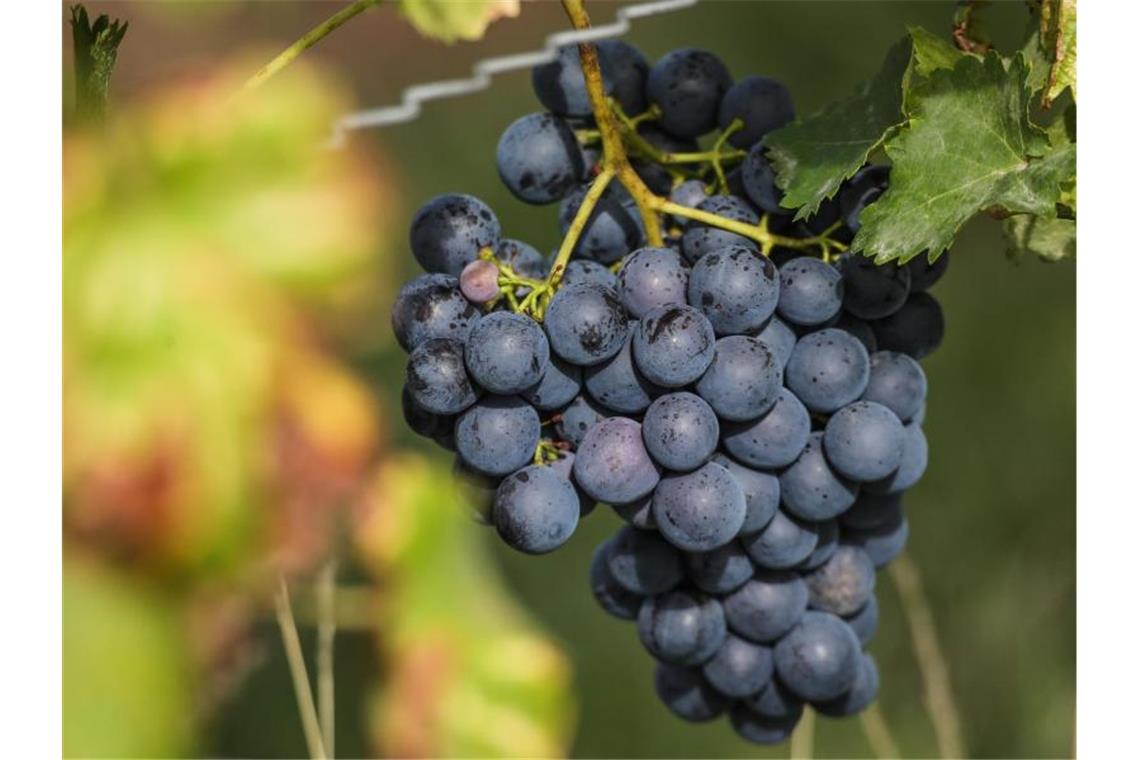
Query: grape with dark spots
[[535, 510], [498, 435], [673, 345], [688, 85], [736, 287], [437, 377], [449, 230], [538, 159], [431, 306], [701, 510], [763, 105]]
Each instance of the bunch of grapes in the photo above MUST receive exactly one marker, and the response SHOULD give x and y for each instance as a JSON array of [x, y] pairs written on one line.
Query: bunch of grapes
[[745, 394]]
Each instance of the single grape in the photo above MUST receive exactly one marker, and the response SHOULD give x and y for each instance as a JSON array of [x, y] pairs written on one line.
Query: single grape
[[863, 189], [762, 103], [784, 542], [686, 693], [739, 668], [778, 337], [652, 277], [882, 543], [811, 489], [421, 421], [617, 601], [861, 694], [772, 441], [828, 369], [701, 510], [757, 729], [577, 418], [431, 306], [627, 70], [811, 292], [700, 238], [449, 230], [759, 180], [923, 274], [767, 606], [498, 435], [873, 291], [613, 229], [612, 464], [584, 270], [719, 571], [859, 328], [916, 329], [775, 702], [656, 176], [479, 281], [506, 352], [688, 85], [558, 386], [639, 513], [915, 454], [535, 510], [820, 658], [585, 323], [872, 510], [865, 621], [673, 345], [437, 378], [681, 628], [843, 584], [680, 431], [617, 385], [825, 545], [897, 382], [864, 441], [744, 380], [643, 562], [560, 84], [736, 287], [690, 194], [761, 492], [538, 159]]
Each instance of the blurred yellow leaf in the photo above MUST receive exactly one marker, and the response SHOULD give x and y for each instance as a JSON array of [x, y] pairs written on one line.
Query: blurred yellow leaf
[[470, 674], [451, 20]]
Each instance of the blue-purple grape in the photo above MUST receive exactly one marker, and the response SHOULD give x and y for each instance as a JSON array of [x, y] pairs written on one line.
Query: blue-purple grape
[[673, 345], [736, 287], [449, 230], [437, 378], [701, 510], [498, 434], [612, 464], [680, 431]]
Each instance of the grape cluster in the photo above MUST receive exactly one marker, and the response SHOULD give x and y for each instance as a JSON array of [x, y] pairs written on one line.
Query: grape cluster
[[751, 412]]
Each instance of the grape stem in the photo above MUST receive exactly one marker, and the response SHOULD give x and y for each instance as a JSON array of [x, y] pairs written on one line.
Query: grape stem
[[311, 38]]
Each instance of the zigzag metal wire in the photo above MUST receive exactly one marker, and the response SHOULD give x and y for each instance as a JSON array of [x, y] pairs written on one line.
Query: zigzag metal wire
[[482, 72]]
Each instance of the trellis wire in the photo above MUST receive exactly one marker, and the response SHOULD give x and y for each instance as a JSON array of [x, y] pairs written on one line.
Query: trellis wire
[[482, 72]]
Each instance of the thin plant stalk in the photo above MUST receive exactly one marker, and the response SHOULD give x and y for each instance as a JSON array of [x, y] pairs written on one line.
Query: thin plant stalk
[[326, 641], [310, 724]]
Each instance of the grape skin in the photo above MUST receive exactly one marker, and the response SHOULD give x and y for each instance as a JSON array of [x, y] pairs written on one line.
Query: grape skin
[[680, 431], [643, 562], [882, 543], [498, 434], [762, 103], [612, 464], [617, 385], [827, 541], [739, 668], [744, 380], [776, 703], [897, 382], [757, 729], [437, 378], [479, 281], [673, 345], [736, 287], [449, 230], [772, 441], [652, 277], [584, 270], [784, 542], [923, 274], [872, 510], [506, 353], [861, 694], [558, 386], [864, 441], [431, 306], [686, 693], [701, 510], [844, 584], [700, 239], [681, 628], [820, 658], [915, 453], [916, 329], [538, 159], [688, 85], [811, 489], [759, 180], [639, 513], [778, 337], [613, 229], [767, 606], [577, 418], [761, 492], [719, 571], [873, 291], [535, 510], [617, 601], [585, 324], [810, 291], [828, 369], [865, 621]]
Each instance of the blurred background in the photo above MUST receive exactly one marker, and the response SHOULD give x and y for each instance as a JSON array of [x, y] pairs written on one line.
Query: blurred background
[[232, 407]]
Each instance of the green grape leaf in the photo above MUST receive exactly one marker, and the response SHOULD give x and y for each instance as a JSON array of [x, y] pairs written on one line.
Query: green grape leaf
[[969, 147], [1048, 239], [448, 20], [813, 156], [1059, 41], [931, 52]]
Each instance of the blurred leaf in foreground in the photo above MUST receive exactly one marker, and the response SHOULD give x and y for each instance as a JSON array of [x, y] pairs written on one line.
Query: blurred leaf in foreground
[[448, 20], [127, 688], [470, 674]]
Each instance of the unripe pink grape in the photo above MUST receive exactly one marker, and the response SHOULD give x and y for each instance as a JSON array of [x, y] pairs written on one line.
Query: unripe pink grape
[[479, 281]]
